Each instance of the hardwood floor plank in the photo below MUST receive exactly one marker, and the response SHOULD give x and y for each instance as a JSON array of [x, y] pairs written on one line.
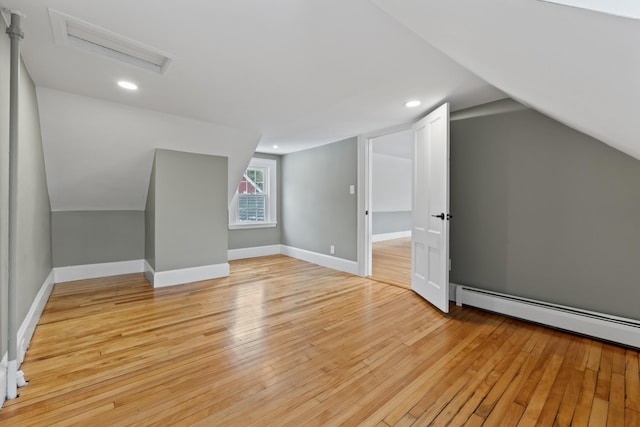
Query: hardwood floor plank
[[585, 400], [284, 342], [391, 262], [598, 416]]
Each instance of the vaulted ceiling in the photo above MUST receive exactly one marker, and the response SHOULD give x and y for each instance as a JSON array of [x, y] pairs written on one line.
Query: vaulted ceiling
[[576, 65], [253, 74]]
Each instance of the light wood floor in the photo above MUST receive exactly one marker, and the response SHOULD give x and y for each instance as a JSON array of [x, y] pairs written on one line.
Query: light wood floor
[[391, 262], [283, 342]]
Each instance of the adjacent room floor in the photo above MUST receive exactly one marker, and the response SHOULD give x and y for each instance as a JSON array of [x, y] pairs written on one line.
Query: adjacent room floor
[[284, 342], [391, 262]]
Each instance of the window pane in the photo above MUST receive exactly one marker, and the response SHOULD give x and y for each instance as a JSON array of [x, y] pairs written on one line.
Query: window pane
[[251, 208], [252, 182]]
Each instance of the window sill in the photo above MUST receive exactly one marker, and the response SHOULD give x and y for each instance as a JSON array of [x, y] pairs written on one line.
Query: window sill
[[244, 226]]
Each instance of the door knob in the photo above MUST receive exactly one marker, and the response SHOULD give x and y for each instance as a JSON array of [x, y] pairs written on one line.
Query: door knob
[[441, 216]]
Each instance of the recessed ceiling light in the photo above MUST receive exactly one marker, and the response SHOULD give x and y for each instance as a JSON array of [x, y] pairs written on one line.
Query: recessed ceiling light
[[412, 104], [275, 146], [127, 85]]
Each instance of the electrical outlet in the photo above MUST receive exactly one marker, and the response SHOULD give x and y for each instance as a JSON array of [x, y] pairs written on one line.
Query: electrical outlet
[[332, 250]]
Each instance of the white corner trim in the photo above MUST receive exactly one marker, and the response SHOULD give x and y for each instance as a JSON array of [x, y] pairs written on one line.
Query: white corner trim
[[328, 261], [188, 275], [390, 236], [3, 379], [91, 271], [28, 326], [254, 252]]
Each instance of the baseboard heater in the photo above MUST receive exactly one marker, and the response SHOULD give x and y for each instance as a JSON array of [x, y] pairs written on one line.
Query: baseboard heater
[[603, 326]]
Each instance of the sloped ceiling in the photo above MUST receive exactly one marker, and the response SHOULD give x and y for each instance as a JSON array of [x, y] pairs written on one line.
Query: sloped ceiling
[[578, 66], [99, 153], [258, 73]]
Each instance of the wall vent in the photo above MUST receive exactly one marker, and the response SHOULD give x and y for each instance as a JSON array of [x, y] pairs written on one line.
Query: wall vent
[[70, 31]]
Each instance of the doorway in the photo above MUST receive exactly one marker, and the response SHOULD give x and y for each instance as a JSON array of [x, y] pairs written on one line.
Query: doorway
[[430, 264], [390, 161]]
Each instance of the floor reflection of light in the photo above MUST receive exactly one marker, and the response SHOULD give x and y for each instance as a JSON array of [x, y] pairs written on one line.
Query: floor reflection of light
[[248, 324]]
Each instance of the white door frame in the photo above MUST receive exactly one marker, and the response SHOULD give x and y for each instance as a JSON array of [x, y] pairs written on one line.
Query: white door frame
[[364, 222]]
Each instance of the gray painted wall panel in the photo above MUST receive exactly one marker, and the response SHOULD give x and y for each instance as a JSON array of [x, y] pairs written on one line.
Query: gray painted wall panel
[[191, 210], [390, 222], [34, 207], [91, 237], [545, 212], [34, 210], [254, 237], [318, 210], [4, 186]]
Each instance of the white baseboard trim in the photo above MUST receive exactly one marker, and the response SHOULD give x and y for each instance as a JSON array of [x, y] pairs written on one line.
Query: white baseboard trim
[[599, 325], [254, 252], [28, 326], [181, 276], [3, 379], [328, 261], [91, 271], [390, 236]]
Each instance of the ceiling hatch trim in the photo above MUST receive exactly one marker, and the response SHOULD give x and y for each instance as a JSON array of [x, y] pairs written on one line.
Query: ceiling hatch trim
[[73, 32]]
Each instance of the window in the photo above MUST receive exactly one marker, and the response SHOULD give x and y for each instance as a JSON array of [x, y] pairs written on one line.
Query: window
[[254, 204]]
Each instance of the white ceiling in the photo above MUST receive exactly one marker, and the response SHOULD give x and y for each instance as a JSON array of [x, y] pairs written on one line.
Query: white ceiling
[[578, 66], [300, 73]]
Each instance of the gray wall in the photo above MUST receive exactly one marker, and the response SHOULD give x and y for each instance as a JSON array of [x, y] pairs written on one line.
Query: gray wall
[[317, 209], [545, 212], [150, 220], [390, 222], [253, 237], [4, 184], [190, 210], [90, 237], [34, 232], [34, 215]]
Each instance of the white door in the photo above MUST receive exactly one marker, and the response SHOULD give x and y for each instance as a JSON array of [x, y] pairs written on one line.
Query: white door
[[430, 218]]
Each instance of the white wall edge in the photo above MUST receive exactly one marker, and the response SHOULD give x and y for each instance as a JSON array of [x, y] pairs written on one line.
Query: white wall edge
[[328, 261], [189, 275], [28, 326], [390, 236], [254, 252], [3, 380], [91, 271]]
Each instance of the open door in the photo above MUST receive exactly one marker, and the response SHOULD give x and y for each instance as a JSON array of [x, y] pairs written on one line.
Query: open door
[[430, 218]]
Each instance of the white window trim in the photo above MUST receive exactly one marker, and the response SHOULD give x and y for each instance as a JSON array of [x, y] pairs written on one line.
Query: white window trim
[[271, 182]]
